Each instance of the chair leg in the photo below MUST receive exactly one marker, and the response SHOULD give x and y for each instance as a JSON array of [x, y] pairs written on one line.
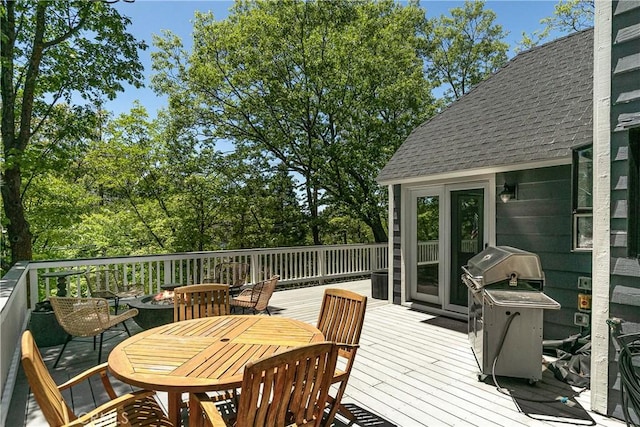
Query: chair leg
[[94, 343], [125, 327], [268, 311], [116, 301], [66, 341], [100, 350], [336, 406]]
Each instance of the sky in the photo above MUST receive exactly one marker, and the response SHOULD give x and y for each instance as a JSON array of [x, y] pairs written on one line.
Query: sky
[[150, 17]]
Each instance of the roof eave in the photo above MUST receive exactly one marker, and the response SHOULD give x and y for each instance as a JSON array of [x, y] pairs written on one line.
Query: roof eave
[[459, 174]]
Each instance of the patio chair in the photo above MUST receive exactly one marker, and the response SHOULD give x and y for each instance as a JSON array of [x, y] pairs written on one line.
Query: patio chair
[[288, 388], [340, 320], [107, 283], [205, 300], [233, 274], [137, 408], [256, 297], [86, 317]]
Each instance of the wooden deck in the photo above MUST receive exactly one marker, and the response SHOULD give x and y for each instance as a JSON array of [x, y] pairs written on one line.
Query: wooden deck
[[412, 369]]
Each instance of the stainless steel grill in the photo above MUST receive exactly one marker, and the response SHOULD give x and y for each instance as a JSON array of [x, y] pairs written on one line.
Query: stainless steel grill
[[506, 300]]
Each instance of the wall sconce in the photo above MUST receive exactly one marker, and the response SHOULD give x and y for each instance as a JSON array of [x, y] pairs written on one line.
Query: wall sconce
[[508, 192]]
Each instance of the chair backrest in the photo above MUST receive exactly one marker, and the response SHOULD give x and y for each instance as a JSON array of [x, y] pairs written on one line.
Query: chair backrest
[[54, 408], [196, 301], [262, 292], [103, 283], [81, 317], [341, 318], [289, 387], [230, 273]]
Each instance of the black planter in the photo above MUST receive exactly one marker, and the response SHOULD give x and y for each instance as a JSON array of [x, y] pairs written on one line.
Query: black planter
[[380, 284], [46, 330]]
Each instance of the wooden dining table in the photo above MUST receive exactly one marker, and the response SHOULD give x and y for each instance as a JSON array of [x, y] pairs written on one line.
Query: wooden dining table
[[206, 354]]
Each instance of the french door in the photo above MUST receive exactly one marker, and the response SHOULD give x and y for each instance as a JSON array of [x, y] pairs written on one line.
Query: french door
[[448, 225]]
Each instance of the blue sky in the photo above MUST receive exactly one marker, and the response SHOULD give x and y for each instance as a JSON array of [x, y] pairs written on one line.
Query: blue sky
[[150, 17]]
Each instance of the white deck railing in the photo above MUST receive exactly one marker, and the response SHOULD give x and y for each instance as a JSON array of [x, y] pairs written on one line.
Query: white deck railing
[[428, 250], [24, 285]]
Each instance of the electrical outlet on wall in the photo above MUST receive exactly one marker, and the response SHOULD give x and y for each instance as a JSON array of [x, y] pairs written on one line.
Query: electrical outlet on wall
[[581, 319], [584, 282]]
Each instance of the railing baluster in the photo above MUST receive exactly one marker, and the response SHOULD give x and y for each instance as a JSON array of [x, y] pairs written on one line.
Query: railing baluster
[[293, 264]]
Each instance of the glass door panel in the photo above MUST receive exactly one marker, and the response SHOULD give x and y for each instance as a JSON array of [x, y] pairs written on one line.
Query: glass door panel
[[467, 237], [427, 262]]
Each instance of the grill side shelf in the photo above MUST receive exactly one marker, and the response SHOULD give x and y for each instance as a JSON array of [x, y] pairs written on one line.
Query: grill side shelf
[[520, 299]]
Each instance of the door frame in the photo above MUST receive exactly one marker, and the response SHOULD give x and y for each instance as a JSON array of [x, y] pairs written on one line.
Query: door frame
[[488, 228], [442, 189]]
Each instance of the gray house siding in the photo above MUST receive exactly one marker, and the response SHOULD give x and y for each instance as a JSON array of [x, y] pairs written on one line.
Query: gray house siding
[[540, 221], [397, 247], [625, 115]]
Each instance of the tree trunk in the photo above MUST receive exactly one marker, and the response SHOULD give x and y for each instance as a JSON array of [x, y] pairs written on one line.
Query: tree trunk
[[378, 230], [20, 237]]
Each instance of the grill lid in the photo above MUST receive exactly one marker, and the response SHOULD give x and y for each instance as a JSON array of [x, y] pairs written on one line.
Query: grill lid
[[504, 263]]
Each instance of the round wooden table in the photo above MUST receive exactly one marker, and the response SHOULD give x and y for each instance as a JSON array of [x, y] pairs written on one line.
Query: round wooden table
[[204, 354]]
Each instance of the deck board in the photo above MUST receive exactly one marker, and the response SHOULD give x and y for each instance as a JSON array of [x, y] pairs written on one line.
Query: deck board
[[412, 369]]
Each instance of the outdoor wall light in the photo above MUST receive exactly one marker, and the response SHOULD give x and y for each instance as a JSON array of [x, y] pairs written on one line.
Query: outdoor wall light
[[508, 192]]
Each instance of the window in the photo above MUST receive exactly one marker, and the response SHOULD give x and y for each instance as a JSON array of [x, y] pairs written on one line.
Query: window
[[583, 198], [633, 215]]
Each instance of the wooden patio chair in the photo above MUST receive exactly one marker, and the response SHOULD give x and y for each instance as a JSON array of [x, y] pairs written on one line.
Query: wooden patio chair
[[205, 300], [340, 320], [288, 388], [135, 409], [256, 297], [86, 317], [107, 283]]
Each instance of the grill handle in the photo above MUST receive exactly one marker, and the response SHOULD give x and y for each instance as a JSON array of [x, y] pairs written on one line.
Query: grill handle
[[468, 280]]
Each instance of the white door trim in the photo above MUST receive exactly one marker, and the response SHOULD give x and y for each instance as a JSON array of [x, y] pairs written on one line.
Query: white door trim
[[408, 234]]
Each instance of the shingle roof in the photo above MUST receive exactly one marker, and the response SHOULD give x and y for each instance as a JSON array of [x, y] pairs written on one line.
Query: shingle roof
[[536, 108]]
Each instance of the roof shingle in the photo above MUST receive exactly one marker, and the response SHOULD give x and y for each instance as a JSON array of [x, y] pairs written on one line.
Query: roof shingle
[[535, 108]]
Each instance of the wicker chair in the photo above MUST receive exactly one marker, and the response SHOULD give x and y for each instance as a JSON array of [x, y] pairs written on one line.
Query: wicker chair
[[234, 274], [289, 388], [107, 283], [340, 320], [195, 301], [257, 296], [86, 317], [138, 408]]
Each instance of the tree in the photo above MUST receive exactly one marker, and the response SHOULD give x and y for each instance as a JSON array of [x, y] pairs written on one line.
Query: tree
[[568, 16], [465, 48], [53, 52], [329, 90]]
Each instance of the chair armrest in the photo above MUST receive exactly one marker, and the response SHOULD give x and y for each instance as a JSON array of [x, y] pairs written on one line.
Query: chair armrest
[[110, 409], [345, 346], [200, 403], [96, 370]]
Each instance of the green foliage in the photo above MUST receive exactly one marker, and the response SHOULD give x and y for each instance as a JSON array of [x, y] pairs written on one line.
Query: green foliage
[[327, 89], [315, 97], [54, 53], [465, 48], [568, 16]]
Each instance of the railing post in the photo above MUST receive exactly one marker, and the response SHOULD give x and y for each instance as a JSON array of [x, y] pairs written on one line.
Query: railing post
[[321, 264], [254, 268], [167, 271], [33, 288]]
